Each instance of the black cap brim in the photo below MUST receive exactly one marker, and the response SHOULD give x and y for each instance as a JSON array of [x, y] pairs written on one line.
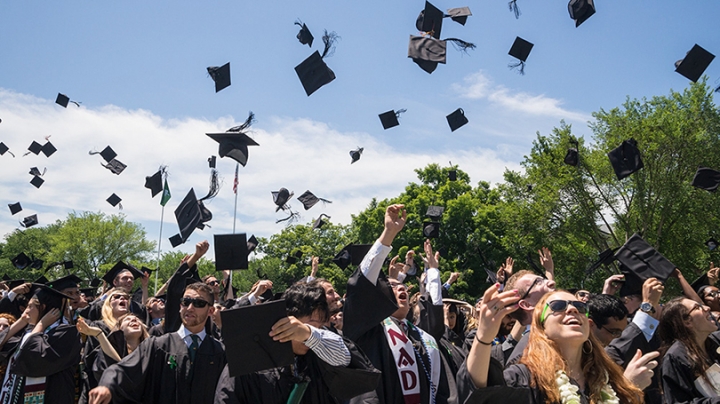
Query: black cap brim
[[221, 76], [457, 119], [110, 275], [695, 62], [643, 260]]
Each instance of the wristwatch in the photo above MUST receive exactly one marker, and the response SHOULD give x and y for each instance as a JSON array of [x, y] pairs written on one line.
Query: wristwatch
[[647, 307]]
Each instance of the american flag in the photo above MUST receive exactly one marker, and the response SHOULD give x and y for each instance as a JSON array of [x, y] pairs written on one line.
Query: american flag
[[235, 182]]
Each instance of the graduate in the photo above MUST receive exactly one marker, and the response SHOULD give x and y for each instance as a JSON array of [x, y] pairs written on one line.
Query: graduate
[[375, 318], [177, 367], [121, 276], [43, 367]]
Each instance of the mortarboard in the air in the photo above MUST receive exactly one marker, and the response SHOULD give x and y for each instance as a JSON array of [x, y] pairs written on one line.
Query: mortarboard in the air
[[459, 14], [304, 36], [314, 73], [231, 251], [294, 257], [29, 221], [65, 282], [4, 149], [281, 198], [309, 200], [114, 200], [212, 161], [351, 254], [248, 345], [21, 261], [37, 181], [252, 244], [457, 119], [63, 100], [694, 63], [643, 260], [712, 244], [319, 222], [37, 263], [110, 275], [34, 148], [581, 10], [107, 153], [430, 20], [115, 166], [220, 75], [427, 52], [625, 159], [520, 50], [89, 292], [14, 208], [390, 119], [431, 229], [154, 183], [188, 215], [604, 258], [48, 149], [452, 175], [234, 142], [491, 276], [355, 154], [434, 211], [176, 240], [572, 157], [707, 179]]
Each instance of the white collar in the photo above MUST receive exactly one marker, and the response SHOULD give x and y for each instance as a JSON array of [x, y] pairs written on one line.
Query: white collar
[[184, 332]]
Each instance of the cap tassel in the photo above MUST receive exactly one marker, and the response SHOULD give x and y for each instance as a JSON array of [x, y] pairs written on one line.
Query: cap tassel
[[461, 45], [329, 40], [214, 186], [400, 111], [12, 154], [292, 218], [324, 201], [521, 66], [248, 122], [512, 5], [717, 90]]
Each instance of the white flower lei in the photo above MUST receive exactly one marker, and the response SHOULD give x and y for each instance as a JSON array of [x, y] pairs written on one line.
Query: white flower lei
[[569, 392]]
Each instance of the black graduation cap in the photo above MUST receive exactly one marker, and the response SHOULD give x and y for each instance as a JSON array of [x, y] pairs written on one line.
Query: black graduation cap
[[390, 119], [234, 142], [304, 36], [37, 263], [431, 229], [625, 159], [581, 10], [14, 208], [294, 257], [36, 171], [21, 261], [110, 275], [712, 244], [309, 200], [427, 52], [643, 260], [176, 240], [95, 282], [281, 198], [632, 285], [63, 100], [572, 157], [115, 166], [252, 244], [520, 50], [89, 292], [48, 149], [457, 119], [154, 183], [39, 285], [430, 20], [351, 254], [29, 221], [231, 251], [188, 215], [434, 211], [707, 179], [6, 278], [42, 280], [452, 175], [37, 181], [212, 161], [694, 63], [314, 73], [604, 258], [65, 282], [114, 200], [491, 276], [459, 14], [107, 154], [35, 148], [320, 222], [248, 345], [220, 75], [355, 154], [700, 283], [4, 149]]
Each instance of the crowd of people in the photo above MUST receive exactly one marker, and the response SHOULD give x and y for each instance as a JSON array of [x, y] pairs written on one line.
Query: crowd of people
[[523, 341]]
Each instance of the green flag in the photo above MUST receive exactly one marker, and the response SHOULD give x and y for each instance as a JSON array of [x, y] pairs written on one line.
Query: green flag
[[166, 194]]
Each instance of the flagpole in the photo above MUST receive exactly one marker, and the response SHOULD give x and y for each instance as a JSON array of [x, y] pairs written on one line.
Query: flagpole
[[235, 184], [157, 270]]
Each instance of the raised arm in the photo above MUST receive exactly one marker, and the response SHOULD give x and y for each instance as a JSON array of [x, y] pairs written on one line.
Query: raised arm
[[395, 216], [96, 332], [547, 263]]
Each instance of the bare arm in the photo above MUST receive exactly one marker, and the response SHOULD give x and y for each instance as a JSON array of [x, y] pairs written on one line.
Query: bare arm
[[105, 345]]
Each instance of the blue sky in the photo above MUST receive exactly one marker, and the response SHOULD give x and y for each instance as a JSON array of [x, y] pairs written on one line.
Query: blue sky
[[139, 69]]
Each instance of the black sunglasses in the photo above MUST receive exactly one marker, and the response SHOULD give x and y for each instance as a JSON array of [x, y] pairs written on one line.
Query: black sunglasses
[[199, 303], [561, 305]]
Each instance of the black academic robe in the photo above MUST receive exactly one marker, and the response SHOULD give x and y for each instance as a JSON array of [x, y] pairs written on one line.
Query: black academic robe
[[326, 384], [622, 349], [366, 306], [102, 360], [678, 381], [55, 356], [10, 306], [452, 348], [92, 348], [159, 371]]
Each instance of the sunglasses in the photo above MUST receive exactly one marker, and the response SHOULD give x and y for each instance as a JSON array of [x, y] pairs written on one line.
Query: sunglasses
[[213, 283], [535, 282], [123, 297], [561, 305], [582, 294], [198, 303]]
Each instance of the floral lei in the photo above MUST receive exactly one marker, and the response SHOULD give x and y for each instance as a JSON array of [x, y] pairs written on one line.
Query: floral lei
[[569, 392]]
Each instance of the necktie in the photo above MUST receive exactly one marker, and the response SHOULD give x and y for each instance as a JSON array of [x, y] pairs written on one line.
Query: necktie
[[192, 349]]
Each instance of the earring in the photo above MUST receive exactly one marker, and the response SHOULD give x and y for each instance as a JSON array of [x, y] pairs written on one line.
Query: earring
[[589, 350]]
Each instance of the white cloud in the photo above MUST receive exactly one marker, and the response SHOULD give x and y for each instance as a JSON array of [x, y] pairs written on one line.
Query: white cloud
[[298, 154], [478, 86]]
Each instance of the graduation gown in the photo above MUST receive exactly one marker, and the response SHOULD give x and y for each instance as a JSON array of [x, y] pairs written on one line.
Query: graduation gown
[[622, 349], [366, 306], [55, 356], [452, 348], [10, 306], [159, 371], [678, 381], [92, 348]]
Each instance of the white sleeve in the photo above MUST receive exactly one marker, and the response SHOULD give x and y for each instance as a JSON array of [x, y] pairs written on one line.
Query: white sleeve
[[372, 263], [328, 346], [432, 285]]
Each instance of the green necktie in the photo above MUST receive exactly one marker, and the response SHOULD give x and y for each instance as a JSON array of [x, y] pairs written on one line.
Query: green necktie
[[192, 349]]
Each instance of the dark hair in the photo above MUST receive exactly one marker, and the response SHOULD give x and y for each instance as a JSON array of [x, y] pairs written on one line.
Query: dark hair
[[303, 299], [206, 277], [602, 307], [50, 300], [672, 328], [202, 288]]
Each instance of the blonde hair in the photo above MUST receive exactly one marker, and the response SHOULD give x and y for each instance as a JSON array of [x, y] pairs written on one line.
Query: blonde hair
[[107, 312], [122, 318]]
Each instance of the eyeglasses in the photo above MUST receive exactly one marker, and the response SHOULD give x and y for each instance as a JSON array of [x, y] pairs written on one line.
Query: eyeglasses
[[697, 307], [616, 333], [199, 303], [582, 293], [122, 297], [713, 294], [535, 282], [562, 305]]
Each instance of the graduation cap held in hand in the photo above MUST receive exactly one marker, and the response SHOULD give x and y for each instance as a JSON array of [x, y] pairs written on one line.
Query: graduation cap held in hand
[[231, 251]]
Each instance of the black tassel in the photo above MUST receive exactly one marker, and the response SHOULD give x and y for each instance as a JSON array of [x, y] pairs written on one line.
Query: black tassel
[[214, 186], [521, 66], [290, 219], [12, 154], [329, 40], [512, 4], [400, 111], [461, 45], [78, 104], [324, 201], [248, 122]]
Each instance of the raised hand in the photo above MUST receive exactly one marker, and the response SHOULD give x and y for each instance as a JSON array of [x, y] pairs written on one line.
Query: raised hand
[[640, 368], [395, 217], [431, 259]]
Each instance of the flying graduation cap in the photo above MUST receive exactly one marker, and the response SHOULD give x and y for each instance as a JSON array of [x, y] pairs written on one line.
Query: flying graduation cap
[[355, 154], [581, 10], [313, 72], [309, 200], [29, 221], [431, 229], [21, 261], [231, 251], [155, 182], [319, 222], [114, 165], [4, 149], [220, 75], [459, 14], [707, 179], [390, 119], [114, 200], [281, 199], [693, 65], [48, 149], [456, 119], [37, 181], [304, 36], [14, 208], [427, 50], [625, 159], [189, 217], [452, 174], [252, 244], [520, 50], [572, 157], [234, 142], [63, 100]]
